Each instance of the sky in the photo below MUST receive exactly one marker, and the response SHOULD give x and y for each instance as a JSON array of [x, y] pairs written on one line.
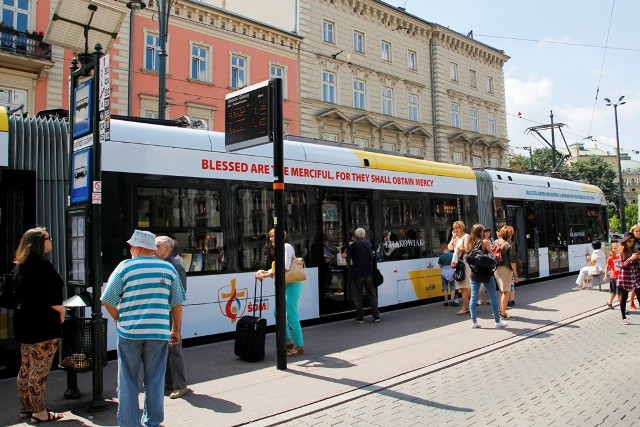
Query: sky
[[558, 63]]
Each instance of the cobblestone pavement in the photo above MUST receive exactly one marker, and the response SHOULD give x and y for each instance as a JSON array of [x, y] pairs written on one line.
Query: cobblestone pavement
[[579, 374]]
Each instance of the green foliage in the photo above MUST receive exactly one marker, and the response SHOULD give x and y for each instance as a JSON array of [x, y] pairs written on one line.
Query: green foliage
[[519, 163], [542, 159], [631, 215], [614, 224], [596, 171]]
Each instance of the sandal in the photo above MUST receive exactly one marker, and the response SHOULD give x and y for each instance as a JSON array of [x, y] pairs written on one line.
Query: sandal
[[462, 312], [289, 345], [51, 416], [296, 351], [25, 414], [506, 316]]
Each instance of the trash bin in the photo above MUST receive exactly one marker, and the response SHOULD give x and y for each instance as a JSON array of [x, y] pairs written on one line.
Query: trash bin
[[76, 346]]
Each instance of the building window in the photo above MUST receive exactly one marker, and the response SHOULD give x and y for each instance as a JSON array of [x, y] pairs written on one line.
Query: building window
[[238, 71], [453, 71], [457, 158], [412, 60], [13, 98], [358, 42], [328, 32], [475, 127], [15, 14], [385, 50], [278, 71], [493, 163], [489, 84], [359, 95], [473, 79], [491, 118], [389, 146], [387, 101], [330, 137], [328, 87], [199, 63], [413, 108], [361, 142], [476, 162], [152, 52], [416, 151], [455, 115]]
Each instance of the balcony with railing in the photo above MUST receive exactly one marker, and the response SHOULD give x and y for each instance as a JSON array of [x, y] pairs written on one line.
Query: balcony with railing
[[24, 49]]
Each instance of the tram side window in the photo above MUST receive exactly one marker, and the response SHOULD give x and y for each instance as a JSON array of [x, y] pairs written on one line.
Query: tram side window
[[578, 232], [255, 219], [444, 212], [192, 217], [404, 235]]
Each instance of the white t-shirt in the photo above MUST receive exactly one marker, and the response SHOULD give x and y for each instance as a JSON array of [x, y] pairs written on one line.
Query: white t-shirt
[[601, 260]]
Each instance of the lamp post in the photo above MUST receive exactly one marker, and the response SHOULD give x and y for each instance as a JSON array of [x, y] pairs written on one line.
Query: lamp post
[[163, 29], [623, 224], [530, 158]]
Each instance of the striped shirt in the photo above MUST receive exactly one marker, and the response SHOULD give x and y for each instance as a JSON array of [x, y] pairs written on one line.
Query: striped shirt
[[144, 289]]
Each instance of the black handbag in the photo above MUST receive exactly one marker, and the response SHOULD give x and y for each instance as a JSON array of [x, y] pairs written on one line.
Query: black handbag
[[459, 275], [378, 278]]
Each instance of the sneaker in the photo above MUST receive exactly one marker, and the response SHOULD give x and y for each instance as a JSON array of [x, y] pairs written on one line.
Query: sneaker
[[376, 319], [475, 325], [511, 303], [576, 288], [445, 303], [479, 302], [500, 324], [178, 393], [626, 322], [359, 320], [454, 304]]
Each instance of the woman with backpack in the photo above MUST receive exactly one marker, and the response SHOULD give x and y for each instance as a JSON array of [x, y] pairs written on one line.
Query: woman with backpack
[[478, 252], [507, 267]]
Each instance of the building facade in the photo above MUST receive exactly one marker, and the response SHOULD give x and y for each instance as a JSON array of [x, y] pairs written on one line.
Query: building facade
[[376, 76]]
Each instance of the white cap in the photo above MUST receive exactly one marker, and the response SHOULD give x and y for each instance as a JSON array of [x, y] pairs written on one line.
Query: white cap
[[143, 239]]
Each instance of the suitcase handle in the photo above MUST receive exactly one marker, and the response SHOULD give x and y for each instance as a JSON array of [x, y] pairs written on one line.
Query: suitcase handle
[[255, 290]]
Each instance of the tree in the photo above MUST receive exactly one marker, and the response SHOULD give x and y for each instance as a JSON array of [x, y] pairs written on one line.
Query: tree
[[614, 224], [542, 159], [596, 171], [519, 163], [631, 214]]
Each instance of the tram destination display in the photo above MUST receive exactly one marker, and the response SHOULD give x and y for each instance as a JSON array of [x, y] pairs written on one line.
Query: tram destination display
[[247, 117]]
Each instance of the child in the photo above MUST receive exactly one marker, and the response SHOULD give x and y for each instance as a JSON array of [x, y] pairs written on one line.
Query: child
[[446, 275], [611, 271]]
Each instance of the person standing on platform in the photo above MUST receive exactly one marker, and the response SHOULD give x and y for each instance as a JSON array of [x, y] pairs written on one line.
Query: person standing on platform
[[175, 378], [508, 270], [458, 246], [144, 297], [612, 272], [36, 322], [627, 264], [446, 277], [362, 275]]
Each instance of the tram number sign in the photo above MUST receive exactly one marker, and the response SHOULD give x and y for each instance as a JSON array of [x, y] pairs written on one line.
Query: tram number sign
[[247, 117]]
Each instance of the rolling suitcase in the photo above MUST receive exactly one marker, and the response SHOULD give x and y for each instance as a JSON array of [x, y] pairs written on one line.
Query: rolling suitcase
[[251, 332]]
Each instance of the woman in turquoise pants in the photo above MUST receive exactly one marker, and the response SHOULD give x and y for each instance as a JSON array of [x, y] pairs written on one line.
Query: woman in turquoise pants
[[295, 340]]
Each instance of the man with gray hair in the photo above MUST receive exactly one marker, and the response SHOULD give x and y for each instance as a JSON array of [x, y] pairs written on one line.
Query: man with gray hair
[[362, 275], [175, 377]]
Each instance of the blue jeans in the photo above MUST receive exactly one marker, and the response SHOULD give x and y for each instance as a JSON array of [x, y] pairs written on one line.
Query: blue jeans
[[493, 298], [292, 295], [153, 355]]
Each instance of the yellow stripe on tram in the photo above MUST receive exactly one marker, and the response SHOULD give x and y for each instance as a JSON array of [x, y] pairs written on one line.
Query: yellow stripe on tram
[[406, 164], [4, 120]]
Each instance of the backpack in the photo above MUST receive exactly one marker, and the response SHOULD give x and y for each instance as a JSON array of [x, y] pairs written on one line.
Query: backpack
[[482, 263], [498, 253], [8, 297]]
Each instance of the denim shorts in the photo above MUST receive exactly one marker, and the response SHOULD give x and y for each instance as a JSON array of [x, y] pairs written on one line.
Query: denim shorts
[[448, 286]]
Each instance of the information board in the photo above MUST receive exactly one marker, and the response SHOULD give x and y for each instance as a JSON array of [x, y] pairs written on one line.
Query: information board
[[247, 117]]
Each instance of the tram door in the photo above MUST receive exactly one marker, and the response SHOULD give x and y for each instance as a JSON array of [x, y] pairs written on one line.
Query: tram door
[[339, 219], [555, 229]]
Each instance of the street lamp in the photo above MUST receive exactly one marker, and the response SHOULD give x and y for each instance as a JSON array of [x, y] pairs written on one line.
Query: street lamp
[[163, 29], [530, 158], [620, 188]]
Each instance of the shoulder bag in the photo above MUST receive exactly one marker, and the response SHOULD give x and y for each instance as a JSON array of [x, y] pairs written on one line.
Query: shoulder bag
[[459, 275], [296, 272]]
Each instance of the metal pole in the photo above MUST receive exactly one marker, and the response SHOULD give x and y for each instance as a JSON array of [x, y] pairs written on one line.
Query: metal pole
[[162, 72], [553, 143], [276, 136], [623, 225], [97, 403]]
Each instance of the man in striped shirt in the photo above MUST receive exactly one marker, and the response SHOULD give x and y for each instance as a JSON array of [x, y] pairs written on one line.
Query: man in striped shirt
[[142, 295]]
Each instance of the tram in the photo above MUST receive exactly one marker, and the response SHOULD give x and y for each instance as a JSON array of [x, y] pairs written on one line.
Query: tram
[[219, 206]]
